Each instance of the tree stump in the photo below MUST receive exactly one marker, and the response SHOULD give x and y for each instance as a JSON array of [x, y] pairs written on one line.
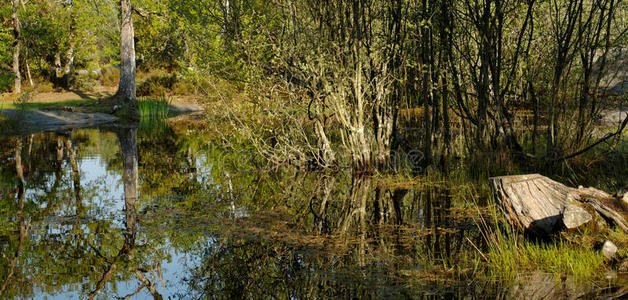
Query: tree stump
[[540, 205]]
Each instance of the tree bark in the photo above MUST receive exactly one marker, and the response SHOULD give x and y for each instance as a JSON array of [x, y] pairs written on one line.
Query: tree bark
[[58, 68], [126, 88], [67, 69], [17, 87], [539, 205], [28, 73]]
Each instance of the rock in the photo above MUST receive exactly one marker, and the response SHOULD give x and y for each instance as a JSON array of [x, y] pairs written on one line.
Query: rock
[[609, 249], [574, 216], [35, 121]]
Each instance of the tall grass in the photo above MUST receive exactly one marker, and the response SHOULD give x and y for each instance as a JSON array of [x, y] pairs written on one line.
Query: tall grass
[[155, 108], [510, 254]]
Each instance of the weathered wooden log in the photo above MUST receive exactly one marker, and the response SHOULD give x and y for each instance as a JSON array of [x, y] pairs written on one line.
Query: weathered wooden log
[[540, 205]]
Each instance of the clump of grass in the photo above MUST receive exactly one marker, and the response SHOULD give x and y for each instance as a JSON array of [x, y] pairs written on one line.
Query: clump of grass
[[155, 108], [510, 254], [510, 257]]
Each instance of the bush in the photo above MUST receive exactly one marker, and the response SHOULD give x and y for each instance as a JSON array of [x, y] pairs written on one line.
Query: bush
[[157, 85], [110, 76], [84, 83], [6, 81], [45, 87], [183, 87]]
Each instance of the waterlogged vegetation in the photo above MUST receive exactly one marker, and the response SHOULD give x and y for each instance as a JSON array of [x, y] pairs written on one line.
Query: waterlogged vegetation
[[344, 150], [155, 108], [175, 212]]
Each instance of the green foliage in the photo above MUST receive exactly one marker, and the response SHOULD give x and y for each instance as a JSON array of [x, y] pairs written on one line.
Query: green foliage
[[232, 44], [6, 58], [84, 82], [51, 27]]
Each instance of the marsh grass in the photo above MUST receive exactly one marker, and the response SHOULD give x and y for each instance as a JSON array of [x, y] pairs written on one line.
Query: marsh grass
[[155, 108], [153, 114], [510, 254]]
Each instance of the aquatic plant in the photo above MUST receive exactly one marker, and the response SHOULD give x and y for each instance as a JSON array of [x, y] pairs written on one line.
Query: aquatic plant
[[156, 108]]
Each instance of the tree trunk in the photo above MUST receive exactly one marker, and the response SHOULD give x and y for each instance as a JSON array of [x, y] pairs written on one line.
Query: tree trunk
[[17, 88], [539, 205], [126, 88], [58, 68], [69, 64], [28, 73]]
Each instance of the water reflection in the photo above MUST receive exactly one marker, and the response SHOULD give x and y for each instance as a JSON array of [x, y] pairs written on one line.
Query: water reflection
[[355, 240], [52, 241], [126, 255], [117, 213]]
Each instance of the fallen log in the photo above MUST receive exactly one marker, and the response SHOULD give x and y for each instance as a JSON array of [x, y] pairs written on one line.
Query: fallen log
[[540, 205]]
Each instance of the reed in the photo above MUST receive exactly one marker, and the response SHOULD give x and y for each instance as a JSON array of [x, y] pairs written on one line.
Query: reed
[[155, 108]]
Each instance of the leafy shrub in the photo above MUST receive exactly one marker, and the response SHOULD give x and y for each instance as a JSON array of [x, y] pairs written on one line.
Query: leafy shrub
[[157, 85], [84, 83], [183, 87], [6, 81], [110, 76], [45, 87]]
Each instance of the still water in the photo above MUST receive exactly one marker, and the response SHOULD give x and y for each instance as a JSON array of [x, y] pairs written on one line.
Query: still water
[[122, 213]]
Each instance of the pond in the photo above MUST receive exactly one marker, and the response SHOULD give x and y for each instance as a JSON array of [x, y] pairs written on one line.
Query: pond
[[171, 213]]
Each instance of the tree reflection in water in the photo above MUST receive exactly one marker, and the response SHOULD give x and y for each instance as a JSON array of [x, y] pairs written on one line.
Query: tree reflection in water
[[126, 255], [355, 240], [253, 234], [54, 239]]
